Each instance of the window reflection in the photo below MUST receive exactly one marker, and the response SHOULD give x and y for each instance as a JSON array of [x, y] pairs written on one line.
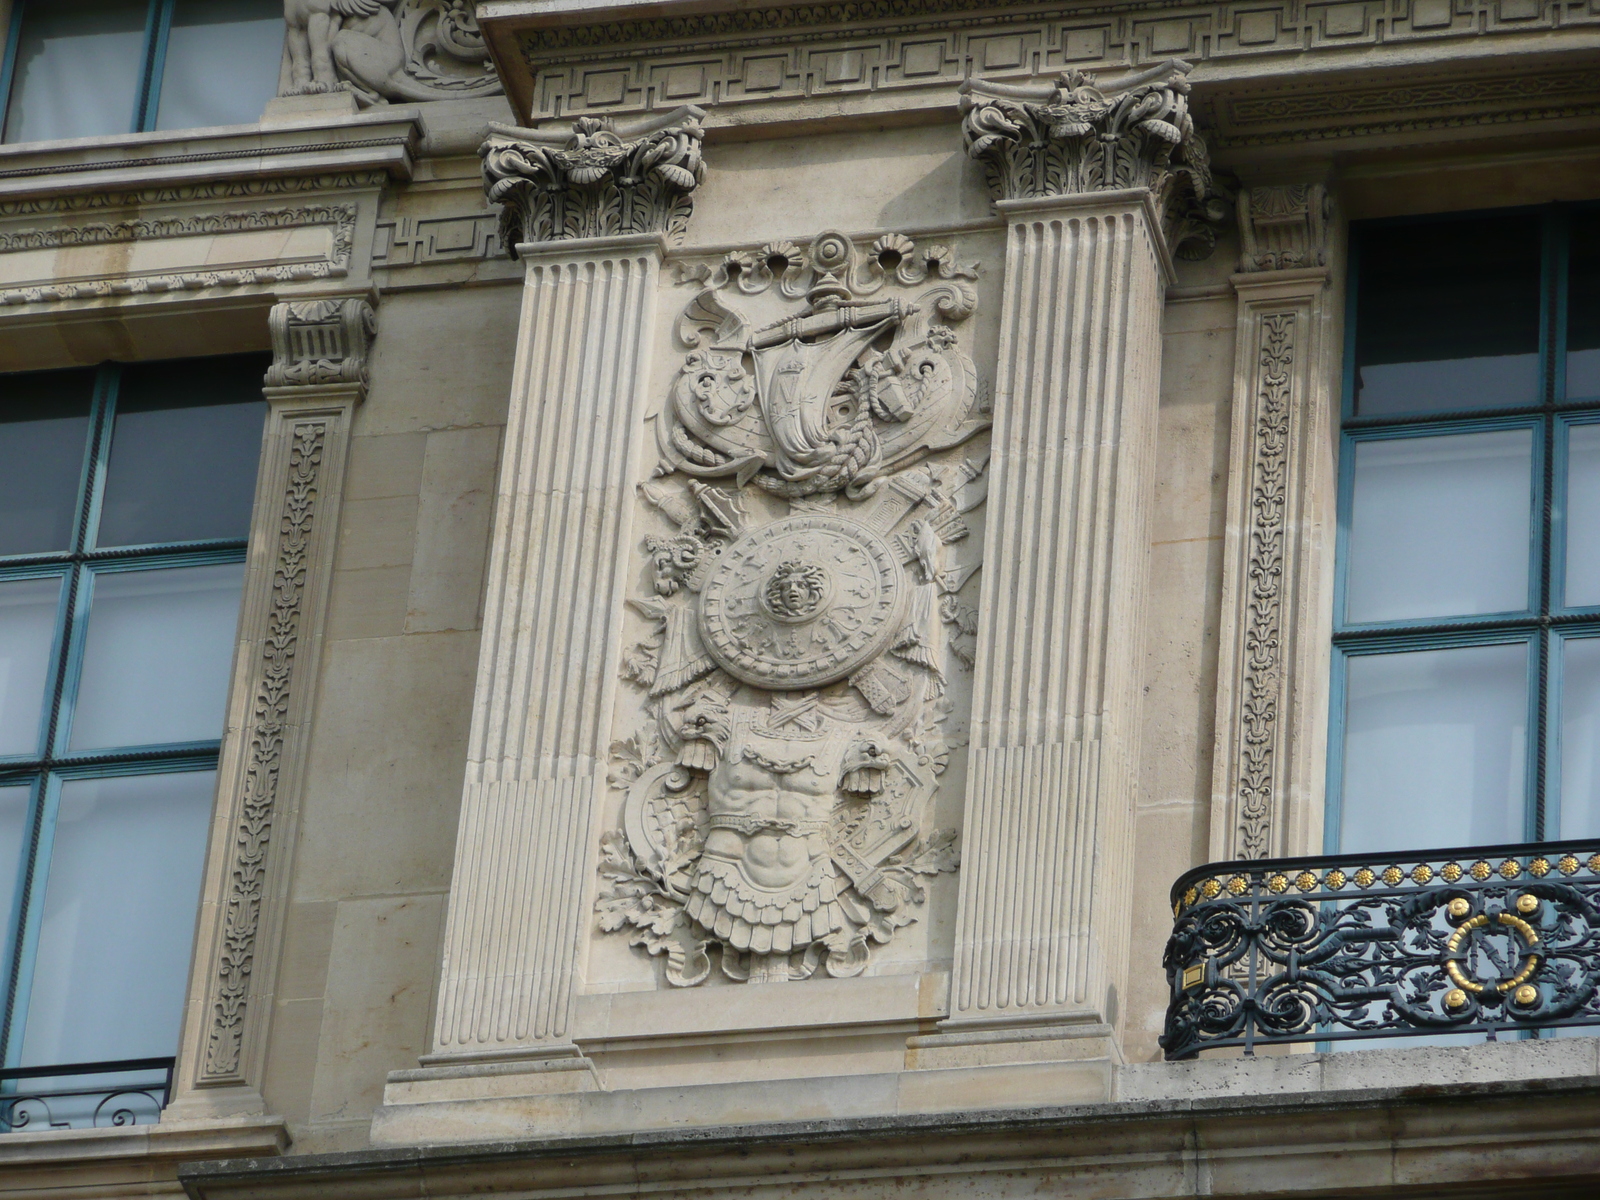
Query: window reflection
[[1449, 316], [155, 663], [44, 427], [1435, 748], [78, 70], [1583, 312], [183, 452], [119, 904], [1439, 526]]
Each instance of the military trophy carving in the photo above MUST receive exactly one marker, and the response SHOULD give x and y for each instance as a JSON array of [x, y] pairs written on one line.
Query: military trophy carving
[[806, 607]]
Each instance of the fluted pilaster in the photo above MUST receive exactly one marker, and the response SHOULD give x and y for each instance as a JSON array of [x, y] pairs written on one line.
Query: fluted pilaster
[[548, 665], [1096, 183]]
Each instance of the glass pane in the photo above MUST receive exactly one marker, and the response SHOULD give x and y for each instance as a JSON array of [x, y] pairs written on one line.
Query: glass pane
[[1434, 749], [77, 69], [1583, 516], [222, 62], [1448, 316], [1580, 737], [13, 843], [44, 433], [119, 908], [1583, 308], [27, 635], [184, 452], [1439, 526], [156, 662]]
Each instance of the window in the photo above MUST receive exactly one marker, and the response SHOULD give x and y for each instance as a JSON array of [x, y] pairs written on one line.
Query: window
[[125, 496], [1466, 700], [89, 68]]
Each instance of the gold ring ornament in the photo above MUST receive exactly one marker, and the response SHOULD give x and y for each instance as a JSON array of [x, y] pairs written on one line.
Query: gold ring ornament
[[1464, 931]]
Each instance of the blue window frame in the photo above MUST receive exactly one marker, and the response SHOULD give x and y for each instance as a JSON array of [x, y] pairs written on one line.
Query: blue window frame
[[1466, 670], [125, 498], [87, 68]]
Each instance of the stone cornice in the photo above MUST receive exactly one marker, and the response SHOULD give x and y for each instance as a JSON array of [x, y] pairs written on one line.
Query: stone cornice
[[753, 66], [385, 142]]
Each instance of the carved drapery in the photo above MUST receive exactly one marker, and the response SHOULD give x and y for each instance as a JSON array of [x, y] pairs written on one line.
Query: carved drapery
[[1073, 137], [317, 376], [1272, 675], [594, 178]]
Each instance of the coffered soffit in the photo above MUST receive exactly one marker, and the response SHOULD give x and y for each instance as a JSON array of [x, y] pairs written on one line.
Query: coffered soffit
[[758, 65]]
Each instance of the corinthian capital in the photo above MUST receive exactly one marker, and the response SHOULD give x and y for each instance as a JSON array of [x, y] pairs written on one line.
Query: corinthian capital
[[1073, 137], [594, 178]]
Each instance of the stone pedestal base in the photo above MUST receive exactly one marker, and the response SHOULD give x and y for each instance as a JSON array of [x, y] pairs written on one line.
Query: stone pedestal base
[[506, 1101]]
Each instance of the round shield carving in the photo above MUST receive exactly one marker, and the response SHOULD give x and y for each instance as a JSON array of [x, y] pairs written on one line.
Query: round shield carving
[[804, 601]]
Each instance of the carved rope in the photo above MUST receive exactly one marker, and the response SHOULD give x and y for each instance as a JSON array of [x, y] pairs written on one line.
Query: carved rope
[[1263, 640], [269, 713]]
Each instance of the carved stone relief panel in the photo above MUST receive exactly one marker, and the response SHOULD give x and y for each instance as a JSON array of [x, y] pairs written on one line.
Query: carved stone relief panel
[[787, 769], [383, 50]]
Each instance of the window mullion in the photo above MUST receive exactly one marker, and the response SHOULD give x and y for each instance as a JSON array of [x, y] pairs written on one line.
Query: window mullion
[[47, 799], [158, 26], [8, 61]]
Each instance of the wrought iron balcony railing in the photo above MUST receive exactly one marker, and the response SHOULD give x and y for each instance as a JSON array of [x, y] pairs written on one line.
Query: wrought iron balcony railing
[[84, 1095], [1488, 939]]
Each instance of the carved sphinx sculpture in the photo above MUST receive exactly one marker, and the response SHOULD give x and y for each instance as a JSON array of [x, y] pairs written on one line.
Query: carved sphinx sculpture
[[385, 50], [814, 475]]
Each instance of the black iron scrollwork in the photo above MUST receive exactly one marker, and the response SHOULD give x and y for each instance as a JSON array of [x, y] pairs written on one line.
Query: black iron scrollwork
[[1485, 939], [93, 1095]]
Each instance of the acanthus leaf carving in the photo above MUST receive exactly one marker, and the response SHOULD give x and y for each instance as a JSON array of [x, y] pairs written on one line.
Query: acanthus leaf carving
[[805, 618], [594, 178], [385, 50], [1075, 137]]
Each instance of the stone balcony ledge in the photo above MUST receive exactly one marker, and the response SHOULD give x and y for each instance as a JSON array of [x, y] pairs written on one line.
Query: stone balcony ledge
[[1495, 1116]]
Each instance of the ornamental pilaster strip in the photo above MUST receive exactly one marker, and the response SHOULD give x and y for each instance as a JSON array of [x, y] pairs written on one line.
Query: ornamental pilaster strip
[[1044, 911], [1271, 722], [261, 770], [549, 664]]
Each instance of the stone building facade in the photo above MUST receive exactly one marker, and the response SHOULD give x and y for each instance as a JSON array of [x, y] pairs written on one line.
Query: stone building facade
[[780, 533]]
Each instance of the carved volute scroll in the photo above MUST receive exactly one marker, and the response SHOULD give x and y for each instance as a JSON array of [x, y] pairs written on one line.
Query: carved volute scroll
[[320, 341], [383, 50], [805, 612], [1073, 137], [594, 178]]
